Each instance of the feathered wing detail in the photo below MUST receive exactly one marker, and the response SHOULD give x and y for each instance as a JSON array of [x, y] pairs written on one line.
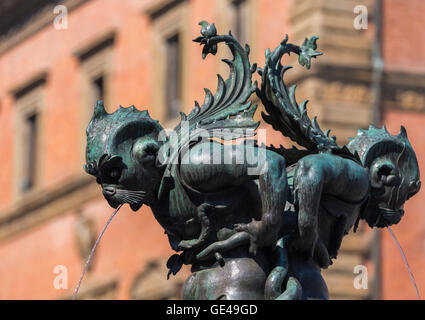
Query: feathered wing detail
[[283, 111], [226, 114]]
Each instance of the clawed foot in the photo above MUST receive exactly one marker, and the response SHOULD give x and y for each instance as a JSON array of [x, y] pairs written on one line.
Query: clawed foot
[[255, 230], [215, 249], [202, 217], [187, 245]]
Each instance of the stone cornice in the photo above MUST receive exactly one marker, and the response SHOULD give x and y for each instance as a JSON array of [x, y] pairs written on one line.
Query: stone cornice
[[34, 23], [400, 90], [95, 44], [29, 83], [159, 6], [328, 72], [45, 204], [404, 91]]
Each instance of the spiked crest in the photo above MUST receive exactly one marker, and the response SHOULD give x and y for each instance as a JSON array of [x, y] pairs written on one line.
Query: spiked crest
[[376, 142], [107, 131]]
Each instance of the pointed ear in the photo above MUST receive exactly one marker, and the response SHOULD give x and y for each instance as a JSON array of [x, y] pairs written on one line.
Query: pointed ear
[[145, 150], [403, 133]]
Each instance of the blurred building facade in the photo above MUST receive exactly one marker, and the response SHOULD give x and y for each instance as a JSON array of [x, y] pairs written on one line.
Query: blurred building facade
[[58, 57]]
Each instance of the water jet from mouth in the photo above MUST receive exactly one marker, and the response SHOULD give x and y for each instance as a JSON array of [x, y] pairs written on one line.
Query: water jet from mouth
[[74, 296], [405, 262]]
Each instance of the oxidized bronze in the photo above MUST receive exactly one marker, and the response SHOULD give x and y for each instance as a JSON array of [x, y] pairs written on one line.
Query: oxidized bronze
[[254, 222]]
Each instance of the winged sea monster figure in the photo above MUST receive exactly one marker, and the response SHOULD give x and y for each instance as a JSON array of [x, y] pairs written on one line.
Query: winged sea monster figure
[[254, 222]]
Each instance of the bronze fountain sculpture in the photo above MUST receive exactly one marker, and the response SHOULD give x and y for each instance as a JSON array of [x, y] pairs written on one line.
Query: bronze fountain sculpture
[[254, 222]]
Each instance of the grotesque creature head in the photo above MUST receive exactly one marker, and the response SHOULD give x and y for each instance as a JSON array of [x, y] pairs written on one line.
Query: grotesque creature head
[[393, 171], [121, 153]]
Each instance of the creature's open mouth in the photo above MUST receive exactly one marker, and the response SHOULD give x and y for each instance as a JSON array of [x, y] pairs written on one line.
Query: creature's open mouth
[[388, 217], [133, 204], [120, 196]]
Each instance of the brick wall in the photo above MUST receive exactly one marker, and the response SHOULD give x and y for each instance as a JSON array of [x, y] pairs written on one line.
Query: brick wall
[[404, 51], [30, 254]]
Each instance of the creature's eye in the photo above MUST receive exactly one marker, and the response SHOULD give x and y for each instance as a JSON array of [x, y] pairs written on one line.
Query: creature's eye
[[115, 173]]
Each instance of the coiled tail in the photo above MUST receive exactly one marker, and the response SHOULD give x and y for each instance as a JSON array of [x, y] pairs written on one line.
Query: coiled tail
[[276, 278]]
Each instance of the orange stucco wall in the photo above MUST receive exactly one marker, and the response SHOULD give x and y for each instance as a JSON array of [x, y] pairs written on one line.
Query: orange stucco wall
[[404, 50], [411, 230], [28, 259]]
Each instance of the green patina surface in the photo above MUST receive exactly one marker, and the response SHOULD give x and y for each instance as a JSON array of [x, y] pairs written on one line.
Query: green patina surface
[[262, 227]]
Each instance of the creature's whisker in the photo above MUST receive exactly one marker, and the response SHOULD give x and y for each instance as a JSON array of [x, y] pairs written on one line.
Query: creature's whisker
[[125, 199], [132, 201], [135, 200], [136, 195], [136, 192], [130, 192], [130, 196]]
